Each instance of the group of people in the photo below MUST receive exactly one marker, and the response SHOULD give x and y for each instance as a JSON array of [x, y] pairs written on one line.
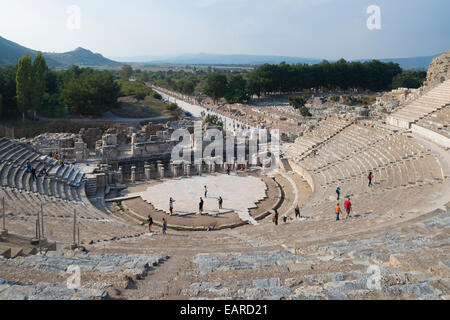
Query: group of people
[[347, 203], [348, 209], [276, 216], [59, 157], [202, 202], [171, 207], [150, 224], [32, 170], [200, 205]]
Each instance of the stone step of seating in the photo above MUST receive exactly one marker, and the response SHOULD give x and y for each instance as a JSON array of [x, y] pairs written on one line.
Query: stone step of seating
[[11, 152], [304, 274]]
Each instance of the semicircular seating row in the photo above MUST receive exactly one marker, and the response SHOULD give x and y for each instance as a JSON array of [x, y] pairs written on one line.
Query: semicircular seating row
[[62, 190], [346, 158]]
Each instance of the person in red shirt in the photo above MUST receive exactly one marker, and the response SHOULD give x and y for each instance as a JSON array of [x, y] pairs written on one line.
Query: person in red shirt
[[348, 208]]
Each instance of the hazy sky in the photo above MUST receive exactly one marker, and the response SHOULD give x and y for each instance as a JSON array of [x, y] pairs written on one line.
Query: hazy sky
[[304, 28]]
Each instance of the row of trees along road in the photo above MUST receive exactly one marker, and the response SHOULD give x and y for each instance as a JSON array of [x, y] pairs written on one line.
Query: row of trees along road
[[341, 75]]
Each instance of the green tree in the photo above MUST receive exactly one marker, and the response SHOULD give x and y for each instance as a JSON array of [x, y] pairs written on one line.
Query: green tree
[[38, 82], [24, 85], [90, 92], [213, 120], [216, 86], [304, 111], [172, 107], [297, 102], [188, 87], [145, 76], [411, 79], [8, 90], [126, 72], [237, 90]]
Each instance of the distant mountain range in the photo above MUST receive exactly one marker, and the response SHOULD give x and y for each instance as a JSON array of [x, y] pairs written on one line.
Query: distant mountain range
[[222, 59], [11, 52], [216, 59]]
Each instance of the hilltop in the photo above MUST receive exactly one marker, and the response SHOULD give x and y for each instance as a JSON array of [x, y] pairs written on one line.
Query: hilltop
[[11, 52]]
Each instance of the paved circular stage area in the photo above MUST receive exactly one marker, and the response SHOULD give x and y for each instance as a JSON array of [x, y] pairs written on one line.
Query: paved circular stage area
[[239, 193]]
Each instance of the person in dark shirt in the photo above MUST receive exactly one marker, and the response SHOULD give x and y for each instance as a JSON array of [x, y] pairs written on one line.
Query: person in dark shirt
[[220, 203], [200, 206], [275, 217], [150, 223], [297, 212]]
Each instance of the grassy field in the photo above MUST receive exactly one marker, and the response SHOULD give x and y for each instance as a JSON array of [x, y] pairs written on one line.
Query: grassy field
[[149, 107]]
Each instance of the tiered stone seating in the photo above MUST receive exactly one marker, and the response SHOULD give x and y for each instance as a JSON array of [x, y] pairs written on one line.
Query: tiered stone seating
[[119, 271], [323, 131], [430, 102], [406, 261], [346, 159], [63, 182], [60, 193], [437, 122]]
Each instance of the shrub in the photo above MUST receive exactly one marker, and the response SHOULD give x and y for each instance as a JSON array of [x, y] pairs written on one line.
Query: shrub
[[304, 111], [172, 107]]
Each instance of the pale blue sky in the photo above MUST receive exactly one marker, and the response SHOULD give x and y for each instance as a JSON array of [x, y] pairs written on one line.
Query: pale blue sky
[[304, 28]]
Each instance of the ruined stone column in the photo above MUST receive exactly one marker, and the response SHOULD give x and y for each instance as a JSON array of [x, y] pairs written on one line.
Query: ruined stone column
[[148, 171], [120, 175], [172, 169], [246, 165], [154, 171], [200, 169], [133, 174], [175, 170], [188, 169], [213, 167], [161, 170]]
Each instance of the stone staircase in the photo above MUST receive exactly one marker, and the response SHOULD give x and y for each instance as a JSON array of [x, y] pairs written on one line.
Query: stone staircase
[[431, 101]]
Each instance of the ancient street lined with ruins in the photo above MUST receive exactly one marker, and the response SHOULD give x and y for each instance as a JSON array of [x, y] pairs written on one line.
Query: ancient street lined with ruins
[[92, 212]]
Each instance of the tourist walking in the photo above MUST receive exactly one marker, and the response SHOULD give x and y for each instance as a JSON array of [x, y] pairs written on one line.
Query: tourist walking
[[297, 212], [33, 174], [150, 223], [171, 202], [220, 203], [228, 170], [348, 207], [200, 206], [164, 227], [337, 210], [206, 192], [28, 166], [370, 178], [275, 217], [285, 218], [338, 192]]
